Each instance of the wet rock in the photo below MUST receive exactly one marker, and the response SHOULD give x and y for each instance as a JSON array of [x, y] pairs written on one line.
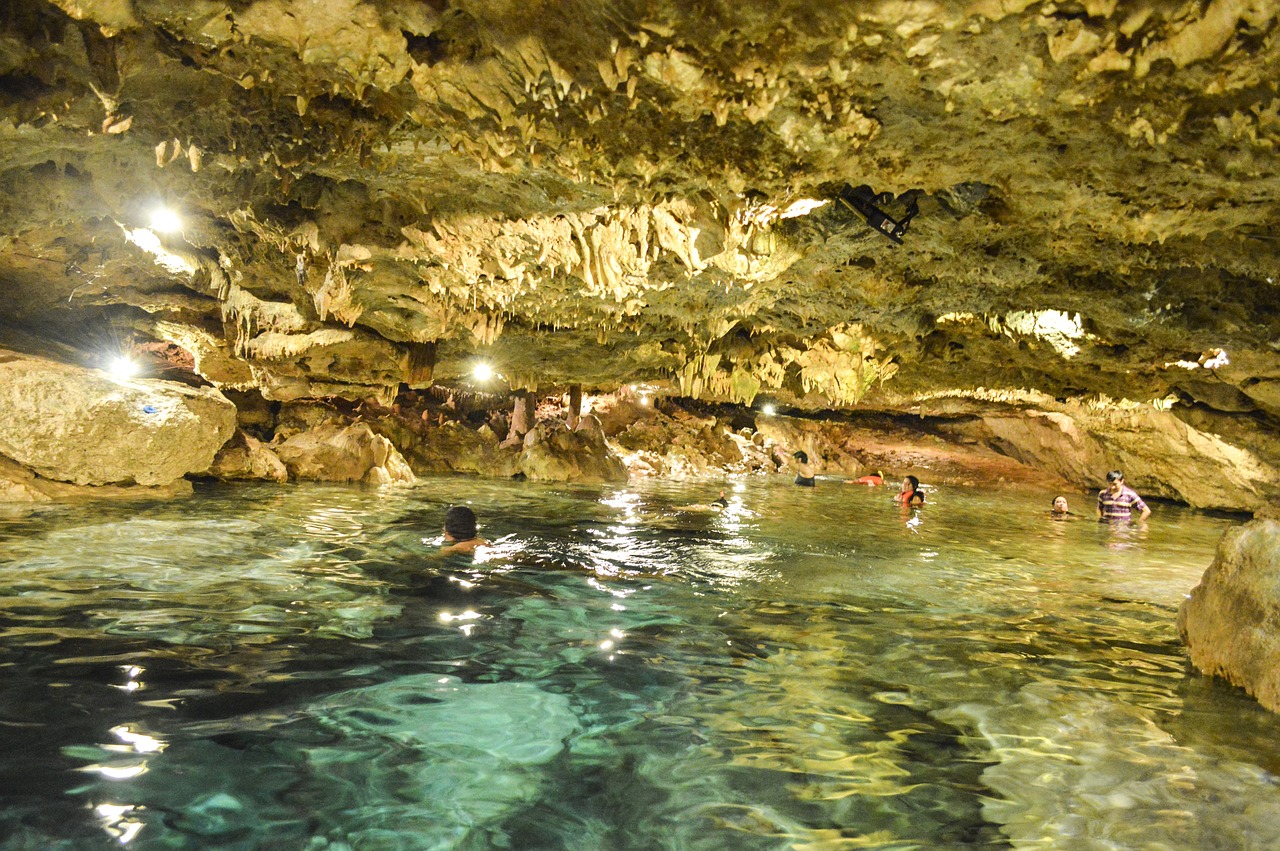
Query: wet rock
[[1230, 622]]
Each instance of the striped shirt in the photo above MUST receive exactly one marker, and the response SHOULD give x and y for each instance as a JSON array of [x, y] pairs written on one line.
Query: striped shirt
[[1117, 506]]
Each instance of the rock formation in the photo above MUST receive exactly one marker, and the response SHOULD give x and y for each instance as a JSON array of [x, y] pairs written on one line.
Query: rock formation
[[1230, 622], [962, 212]]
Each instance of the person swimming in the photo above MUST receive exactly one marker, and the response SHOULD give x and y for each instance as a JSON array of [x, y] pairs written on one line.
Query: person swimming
[[910, 493], [874, 480], [460, 534], [804, 472], [717, 504], [1059, 509]]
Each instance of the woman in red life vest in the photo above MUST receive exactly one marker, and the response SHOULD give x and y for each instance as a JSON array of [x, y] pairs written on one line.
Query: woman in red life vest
[[910, 494]]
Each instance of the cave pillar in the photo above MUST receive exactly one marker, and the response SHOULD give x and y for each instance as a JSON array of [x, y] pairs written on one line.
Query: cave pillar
[[575, 406], [521, 417]]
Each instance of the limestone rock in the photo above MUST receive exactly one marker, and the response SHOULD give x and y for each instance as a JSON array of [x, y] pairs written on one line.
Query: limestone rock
[[247, 458], [1160, 454], [336, 453], [78, 425], [552, 453], [20, 485], [1230, 622]]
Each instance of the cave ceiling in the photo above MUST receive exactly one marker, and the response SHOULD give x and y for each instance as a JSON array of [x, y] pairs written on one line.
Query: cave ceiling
[[377, 195]]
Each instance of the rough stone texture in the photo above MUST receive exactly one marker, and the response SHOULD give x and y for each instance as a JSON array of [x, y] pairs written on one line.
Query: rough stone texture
[[19, 485], [336, 453], [553, 453], [1230, 622], [80, 426], [246, 458], [373, 195], [1158, 452]]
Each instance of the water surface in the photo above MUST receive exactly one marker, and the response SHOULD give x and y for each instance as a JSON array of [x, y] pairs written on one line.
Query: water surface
[[292, 667]]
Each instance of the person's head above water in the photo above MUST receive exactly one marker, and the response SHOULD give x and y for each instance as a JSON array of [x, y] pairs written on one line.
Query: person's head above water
[[912, 481], [460, 523], [1060, 505], [721, 501], [801, 456]]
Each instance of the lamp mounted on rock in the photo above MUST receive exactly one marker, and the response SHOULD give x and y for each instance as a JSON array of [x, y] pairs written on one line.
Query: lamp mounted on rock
[[867, 203]]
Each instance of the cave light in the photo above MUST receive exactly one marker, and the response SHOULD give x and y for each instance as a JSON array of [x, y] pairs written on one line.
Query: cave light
[[122, 368], [644, 400], [482, 371], [1215, 358], [802, 208], [165, 219], [768, 410]]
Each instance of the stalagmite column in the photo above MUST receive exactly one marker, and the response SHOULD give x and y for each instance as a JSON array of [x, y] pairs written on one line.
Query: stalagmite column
[[575, 406], [521, 418]]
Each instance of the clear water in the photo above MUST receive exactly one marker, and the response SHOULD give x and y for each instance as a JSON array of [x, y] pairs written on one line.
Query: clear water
[[290, 668]]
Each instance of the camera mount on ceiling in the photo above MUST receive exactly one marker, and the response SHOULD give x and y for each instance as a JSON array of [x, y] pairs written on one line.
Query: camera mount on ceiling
[[867, 203]]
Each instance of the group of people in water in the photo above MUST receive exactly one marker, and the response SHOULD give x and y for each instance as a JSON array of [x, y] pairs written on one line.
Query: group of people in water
[[1117, 502]]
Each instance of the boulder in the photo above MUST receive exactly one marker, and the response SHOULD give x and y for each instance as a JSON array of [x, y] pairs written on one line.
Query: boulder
[[245, 458], [1230, 622], [553, 453], [335, 453], [78, 425]]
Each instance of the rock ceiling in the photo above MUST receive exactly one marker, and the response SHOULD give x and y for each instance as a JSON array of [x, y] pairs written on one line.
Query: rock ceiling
[[375, 194]]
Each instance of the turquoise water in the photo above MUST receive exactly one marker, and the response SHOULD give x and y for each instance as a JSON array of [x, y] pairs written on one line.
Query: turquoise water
[[290, 667]]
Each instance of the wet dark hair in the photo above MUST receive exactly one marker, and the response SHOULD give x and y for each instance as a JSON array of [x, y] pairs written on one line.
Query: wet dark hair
[[801, 456], [915, 483], [460, 523], [1115, 476]]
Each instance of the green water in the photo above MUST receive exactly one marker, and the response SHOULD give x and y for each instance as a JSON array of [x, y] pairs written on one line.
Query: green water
[[264, 667]]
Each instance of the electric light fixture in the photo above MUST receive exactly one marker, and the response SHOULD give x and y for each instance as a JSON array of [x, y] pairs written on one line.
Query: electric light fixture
[[165, 220]]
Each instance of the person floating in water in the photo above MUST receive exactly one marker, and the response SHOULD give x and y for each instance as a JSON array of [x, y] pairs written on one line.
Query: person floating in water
[[910, 493], [875, 480], [717, 504], [1117, 501], [460, 537], [1059, 509], [804, 471]]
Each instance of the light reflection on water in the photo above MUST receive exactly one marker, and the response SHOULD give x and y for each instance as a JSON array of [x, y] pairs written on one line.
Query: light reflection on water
[[810, 668]]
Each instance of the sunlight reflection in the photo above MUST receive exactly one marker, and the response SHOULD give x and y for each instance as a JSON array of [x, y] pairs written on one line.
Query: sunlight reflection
[[112, 818], [118, 772], [330, 523], [140, 742]]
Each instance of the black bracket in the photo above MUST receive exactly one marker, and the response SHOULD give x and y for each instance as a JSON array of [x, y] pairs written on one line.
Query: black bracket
[[866, 203]]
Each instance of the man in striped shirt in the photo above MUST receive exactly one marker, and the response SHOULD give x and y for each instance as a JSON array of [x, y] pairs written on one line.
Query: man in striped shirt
[[1117, 501]]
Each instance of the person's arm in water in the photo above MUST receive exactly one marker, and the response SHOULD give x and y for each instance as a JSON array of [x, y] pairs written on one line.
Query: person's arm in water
[[1146, 509], [466, 547]]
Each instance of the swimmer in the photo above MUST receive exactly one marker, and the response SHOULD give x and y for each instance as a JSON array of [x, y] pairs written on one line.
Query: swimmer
[[460, 532], [874, 480], [1059, 510], [910, 492], [804, 472], [718, 504]]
